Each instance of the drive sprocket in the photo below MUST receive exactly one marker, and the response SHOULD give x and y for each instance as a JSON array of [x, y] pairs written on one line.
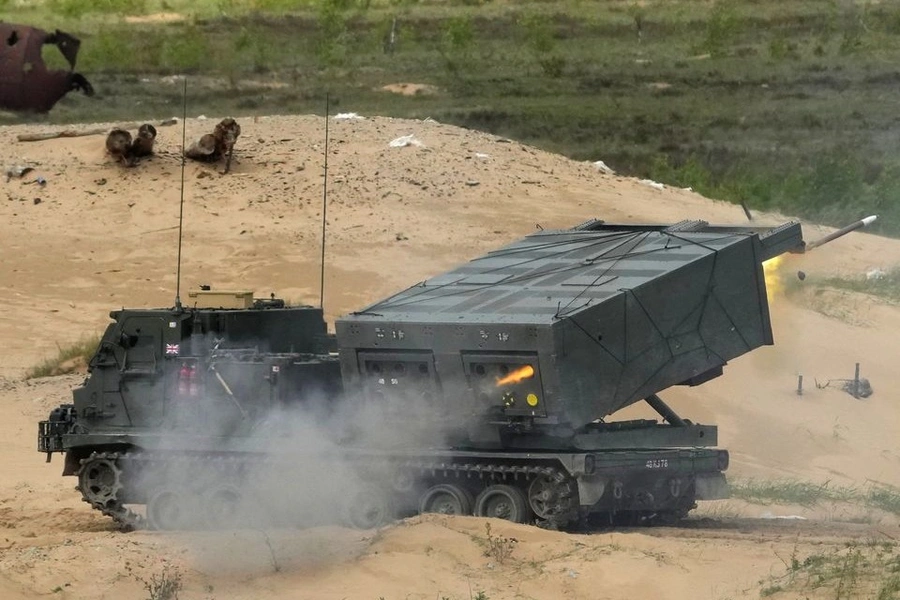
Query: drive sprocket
[[553, 496], [100, 484]]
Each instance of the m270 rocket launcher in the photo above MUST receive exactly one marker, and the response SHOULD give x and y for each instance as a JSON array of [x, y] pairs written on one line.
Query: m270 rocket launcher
[[496, 383]]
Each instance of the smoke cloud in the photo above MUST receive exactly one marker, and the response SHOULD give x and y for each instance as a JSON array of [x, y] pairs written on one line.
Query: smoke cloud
[[232, 455]]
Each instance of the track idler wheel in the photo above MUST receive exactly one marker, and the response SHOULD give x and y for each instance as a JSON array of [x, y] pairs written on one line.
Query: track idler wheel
[[503, 502], [446, 499], [100, 480], [367, 508]]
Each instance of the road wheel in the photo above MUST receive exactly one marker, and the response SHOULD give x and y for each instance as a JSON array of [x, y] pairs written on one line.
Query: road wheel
[[166, 510], [222, 507], [503, 502], [367, 508], [446, 499]]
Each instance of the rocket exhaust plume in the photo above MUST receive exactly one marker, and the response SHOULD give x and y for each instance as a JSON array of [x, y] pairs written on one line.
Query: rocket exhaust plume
[[516, 376], [772, 274]]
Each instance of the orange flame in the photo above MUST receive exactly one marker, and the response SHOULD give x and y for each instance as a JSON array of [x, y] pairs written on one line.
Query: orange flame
[[517, 375], [773, 275]]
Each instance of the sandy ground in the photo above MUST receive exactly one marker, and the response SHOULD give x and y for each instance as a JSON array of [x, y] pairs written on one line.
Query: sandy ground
[[97, 236]]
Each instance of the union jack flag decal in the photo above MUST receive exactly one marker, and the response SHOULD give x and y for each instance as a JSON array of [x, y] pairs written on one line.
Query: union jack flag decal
[[172, 349]]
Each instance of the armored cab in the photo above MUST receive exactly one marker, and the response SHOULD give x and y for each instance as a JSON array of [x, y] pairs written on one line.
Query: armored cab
[[563, 328], [194, 375]]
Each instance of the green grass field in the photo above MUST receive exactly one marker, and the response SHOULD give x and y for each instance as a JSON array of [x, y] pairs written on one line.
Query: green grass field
[[786, 105]]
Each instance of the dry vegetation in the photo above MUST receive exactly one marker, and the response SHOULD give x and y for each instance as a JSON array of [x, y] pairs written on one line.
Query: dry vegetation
[[69, 359]]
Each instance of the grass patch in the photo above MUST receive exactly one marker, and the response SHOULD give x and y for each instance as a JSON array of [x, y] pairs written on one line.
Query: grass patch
[[77, 9], [869, 570], [883, 497], [68, 359], [884, 285], [802, 493], [809, 494]]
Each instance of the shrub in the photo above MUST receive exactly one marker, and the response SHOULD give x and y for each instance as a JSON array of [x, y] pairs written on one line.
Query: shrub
[[67, 360], [498, 547], [722, 29], [165, 585]]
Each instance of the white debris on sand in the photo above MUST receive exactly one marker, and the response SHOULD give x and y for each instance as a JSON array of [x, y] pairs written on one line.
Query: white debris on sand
[[603, 167], [654, 184], [405, 140], [348, 116], [769, 515]]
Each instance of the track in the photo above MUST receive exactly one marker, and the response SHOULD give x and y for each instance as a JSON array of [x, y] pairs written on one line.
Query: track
[[216, 491]]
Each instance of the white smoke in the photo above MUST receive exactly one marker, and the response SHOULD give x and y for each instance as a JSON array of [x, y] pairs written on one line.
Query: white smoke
[[233, 457]]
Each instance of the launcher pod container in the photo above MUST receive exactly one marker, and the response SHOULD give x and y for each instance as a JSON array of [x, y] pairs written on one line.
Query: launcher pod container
[[487, 390], [539, 340]]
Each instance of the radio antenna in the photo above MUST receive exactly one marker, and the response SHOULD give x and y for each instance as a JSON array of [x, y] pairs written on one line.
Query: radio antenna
[[181, 201], [324, 211]]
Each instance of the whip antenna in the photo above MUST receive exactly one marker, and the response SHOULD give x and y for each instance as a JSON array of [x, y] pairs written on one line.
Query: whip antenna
[[181, 201], [324, 210]]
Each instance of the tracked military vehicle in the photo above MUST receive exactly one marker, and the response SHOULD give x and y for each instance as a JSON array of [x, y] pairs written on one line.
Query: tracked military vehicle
[[490, 389]]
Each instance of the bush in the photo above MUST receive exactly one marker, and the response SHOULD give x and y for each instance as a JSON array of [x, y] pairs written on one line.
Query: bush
[[186, 51], [457, 43], [722, 30], [331, 47], [67, 360], [120, 48], [164, 586], [498, 547], [539, 37]]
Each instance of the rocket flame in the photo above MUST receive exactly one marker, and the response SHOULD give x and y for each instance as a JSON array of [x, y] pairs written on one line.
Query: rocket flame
[[773, 275], [517, 375]]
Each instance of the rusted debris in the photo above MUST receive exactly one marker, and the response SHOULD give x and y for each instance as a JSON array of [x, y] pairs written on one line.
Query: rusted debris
[[17, 171], [25, 82], [218, 144], [227, 132], [127, 149], [118, 144], [142, 145], [203, 149]]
